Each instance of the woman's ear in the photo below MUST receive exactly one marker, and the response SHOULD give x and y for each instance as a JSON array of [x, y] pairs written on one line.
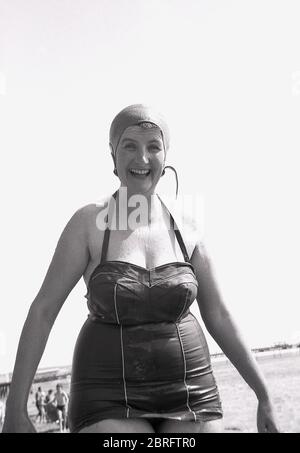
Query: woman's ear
[[111, 149], [112, 153]]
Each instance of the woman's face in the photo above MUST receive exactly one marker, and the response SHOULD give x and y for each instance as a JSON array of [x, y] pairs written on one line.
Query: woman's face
[[140, 159]]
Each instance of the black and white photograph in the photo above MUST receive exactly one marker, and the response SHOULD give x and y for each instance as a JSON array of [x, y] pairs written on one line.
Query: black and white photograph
[[150, 217]]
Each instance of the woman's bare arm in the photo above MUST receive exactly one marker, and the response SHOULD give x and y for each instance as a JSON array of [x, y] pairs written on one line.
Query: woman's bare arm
[[224, 330], [68, 263], [221, 325]]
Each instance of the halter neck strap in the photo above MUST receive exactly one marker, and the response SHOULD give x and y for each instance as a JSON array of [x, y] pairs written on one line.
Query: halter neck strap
[[172, 222], [107, 231]]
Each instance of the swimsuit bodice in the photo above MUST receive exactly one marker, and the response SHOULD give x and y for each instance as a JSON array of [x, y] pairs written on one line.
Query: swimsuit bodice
[[124, 293]]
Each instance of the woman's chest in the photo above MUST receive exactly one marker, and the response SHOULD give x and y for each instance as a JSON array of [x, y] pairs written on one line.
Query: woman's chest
[[147, 247]]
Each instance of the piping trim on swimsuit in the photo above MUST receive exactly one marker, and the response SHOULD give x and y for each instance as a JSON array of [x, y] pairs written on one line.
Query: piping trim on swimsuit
[[115, 301], [184, 377], [183, 308], [124, 380], [186, 258], [122, 350]]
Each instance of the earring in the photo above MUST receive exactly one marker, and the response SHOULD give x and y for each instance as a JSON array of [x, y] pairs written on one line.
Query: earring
[[115, 172]]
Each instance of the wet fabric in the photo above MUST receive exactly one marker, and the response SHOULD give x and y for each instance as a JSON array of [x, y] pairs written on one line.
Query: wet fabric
[[141, 352]]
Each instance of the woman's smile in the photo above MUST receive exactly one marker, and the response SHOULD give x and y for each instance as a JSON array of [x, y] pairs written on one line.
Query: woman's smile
[[139, 173]]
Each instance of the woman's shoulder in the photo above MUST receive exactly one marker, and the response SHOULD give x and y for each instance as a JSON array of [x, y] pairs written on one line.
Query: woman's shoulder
[[89, 212], [87, 219]]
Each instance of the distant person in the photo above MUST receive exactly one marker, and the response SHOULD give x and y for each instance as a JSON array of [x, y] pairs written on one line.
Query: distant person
[[62, 401], [40, 405], [2, 412], [50, 396], [50, 407], [141, 361]]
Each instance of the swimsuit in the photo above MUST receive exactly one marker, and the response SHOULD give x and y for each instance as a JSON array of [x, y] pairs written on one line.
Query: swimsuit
[[141, 352]]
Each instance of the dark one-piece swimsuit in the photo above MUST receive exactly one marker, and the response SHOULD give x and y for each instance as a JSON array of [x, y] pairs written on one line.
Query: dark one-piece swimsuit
[[141, 353]]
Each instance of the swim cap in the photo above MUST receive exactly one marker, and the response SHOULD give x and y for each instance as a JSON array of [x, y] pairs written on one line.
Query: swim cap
[[132, 116]]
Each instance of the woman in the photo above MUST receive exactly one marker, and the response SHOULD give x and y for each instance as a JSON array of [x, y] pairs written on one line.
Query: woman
[[141, 362]]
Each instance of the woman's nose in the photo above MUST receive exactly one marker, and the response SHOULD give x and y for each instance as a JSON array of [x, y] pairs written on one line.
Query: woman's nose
[[143, 155]]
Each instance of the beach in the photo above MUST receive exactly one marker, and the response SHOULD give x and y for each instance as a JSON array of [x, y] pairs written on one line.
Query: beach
[[282, 373]]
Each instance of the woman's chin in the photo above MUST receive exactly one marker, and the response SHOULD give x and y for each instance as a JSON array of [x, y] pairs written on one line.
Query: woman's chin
[[140, 187], [144, 183]]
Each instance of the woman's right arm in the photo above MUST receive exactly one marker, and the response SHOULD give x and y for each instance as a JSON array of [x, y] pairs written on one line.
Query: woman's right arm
[[68, 264]]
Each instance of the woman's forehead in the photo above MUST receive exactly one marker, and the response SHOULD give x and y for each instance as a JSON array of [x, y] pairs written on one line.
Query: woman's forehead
[[139, 133]]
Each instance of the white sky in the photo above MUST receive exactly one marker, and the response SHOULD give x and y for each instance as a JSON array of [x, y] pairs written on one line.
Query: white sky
[[226, 74]]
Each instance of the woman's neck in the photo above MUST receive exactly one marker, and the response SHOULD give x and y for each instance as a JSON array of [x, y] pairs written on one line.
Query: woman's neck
[[143, 208]]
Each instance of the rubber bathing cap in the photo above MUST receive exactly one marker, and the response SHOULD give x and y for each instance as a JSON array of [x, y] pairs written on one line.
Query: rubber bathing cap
[[132, 116]]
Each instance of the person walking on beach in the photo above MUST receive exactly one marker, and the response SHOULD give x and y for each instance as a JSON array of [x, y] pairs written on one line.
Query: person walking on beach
[[50, 407], [40, 405], [62, 400]]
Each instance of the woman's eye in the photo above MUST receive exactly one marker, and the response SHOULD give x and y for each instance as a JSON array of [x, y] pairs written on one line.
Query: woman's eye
[[155, 147]]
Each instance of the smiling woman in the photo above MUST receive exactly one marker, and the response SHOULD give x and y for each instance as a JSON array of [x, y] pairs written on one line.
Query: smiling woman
[[138, 147], [139, 158], [141, 362], [136, 137]]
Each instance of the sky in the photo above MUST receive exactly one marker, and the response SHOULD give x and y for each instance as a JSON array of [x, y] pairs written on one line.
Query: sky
[[225, 74]]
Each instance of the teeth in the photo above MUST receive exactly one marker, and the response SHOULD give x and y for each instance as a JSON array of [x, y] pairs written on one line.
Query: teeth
[[139, 172]]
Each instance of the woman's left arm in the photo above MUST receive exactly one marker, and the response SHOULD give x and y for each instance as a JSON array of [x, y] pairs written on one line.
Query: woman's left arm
[[222, 327]]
